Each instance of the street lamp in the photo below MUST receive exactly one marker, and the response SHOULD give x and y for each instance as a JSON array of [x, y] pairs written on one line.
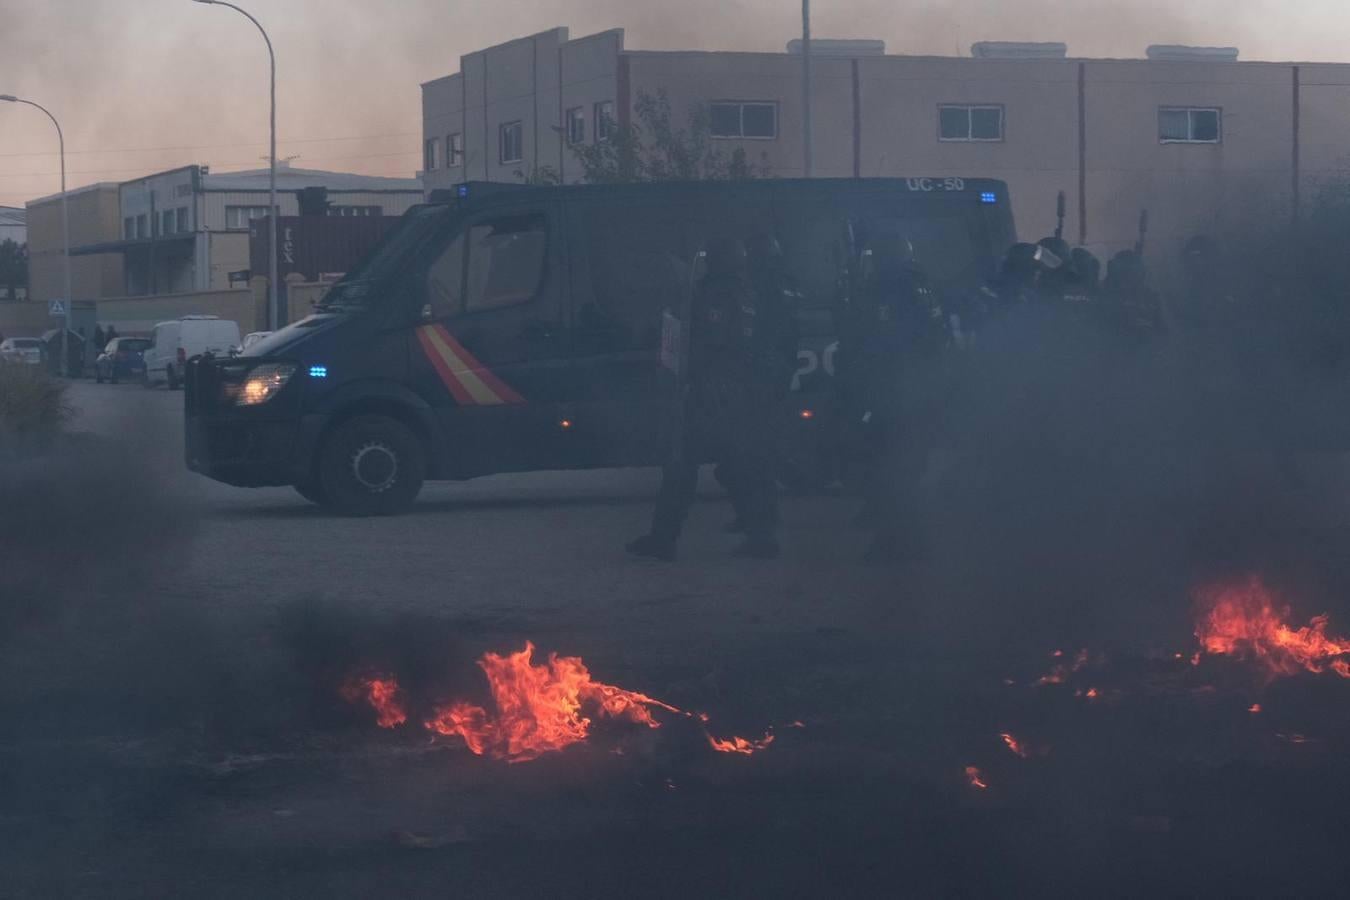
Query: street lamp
[[273, 308], [65, 221], [807, 161]]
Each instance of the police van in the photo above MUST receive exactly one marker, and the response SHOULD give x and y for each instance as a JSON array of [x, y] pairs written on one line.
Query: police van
[[517, 328]]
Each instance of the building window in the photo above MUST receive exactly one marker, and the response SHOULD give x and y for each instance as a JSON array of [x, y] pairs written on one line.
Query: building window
[[143, 225], [350, 211], [604, 120], [129, 228], [238, 217], [454, 150], [1190, 125], [737, 119], [432, 155], [970, 123], [575, 125], [184, 219], [168, 221], [511, 142]]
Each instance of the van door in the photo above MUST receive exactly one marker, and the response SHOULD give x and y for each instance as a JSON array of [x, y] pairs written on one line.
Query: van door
[[490, 352], [631, 264]]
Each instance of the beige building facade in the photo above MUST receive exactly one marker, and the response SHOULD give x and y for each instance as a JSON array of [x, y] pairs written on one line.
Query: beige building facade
[[94, 219], [1204, 142]]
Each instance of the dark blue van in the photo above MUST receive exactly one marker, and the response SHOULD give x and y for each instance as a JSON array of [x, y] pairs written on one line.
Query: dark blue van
[[518, 328]]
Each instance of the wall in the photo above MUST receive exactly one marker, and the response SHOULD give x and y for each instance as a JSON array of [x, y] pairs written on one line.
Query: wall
[[589, 69], [94, 219], [134, 315], [25, 319], [1187, 188], [698, 78]]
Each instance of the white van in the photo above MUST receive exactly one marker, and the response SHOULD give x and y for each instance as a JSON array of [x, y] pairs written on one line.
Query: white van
[[174, 343]]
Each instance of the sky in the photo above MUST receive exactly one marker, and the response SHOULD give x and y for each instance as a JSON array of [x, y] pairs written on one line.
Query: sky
[[145, 85]]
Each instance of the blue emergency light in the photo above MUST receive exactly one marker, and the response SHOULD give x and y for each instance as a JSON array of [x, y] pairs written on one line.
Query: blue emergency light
[[462, 191], [988, 197], [318, 371]]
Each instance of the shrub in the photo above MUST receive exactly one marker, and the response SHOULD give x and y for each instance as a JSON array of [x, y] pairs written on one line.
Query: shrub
[[32, 409]]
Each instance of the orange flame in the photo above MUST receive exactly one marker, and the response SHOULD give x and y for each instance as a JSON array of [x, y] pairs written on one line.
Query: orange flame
[[1244, 621], [975, 778], [381, 692], [539, 708], [1059, 673], [739, 744], [1015, 745]]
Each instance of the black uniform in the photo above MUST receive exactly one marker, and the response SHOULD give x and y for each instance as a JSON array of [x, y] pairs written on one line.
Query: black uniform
[[774, 346], [1135, 310], [898, 337], [726, 410]]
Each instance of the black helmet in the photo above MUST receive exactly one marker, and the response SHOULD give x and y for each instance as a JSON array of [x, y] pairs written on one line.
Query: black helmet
[[1126, 271], [1060, 249], [725, 256], [1088, 267]]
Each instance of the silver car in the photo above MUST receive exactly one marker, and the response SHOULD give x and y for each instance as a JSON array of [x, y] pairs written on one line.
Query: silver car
[[21, 350]]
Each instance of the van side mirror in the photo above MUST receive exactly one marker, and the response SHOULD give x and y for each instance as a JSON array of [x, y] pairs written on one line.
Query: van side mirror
[[426, 314]]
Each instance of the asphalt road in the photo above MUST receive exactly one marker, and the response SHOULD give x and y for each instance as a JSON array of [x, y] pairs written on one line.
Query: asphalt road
[[172, 727]]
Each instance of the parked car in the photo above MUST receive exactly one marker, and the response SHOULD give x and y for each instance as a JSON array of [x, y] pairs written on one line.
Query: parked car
[[22, 350], [252, 338], [121, 358], [174, 343]]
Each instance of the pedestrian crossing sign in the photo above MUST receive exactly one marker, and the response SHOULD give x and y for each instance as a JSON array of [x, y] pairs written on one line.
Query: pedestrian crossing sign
[[56, 308]]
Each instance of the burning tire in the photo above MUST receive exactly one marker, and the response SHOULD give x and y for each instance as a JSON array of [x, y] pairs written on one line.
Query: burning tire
[[370, 466]]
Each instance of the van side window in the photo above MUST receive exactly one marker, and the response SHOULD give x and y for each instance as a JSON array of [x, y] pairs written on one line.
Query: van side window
[[506, 258], [445, 280]]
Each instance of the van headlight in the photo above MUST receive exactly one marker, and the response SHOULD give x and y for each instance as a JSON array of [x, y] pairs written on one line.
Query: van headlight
[[262, 383]]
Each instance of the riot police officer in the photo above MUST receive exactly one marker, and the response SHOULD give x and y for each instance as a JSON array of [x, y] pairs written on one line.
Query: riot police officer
[[722, 410], [775, 349], [1135, 309], [901, 333]]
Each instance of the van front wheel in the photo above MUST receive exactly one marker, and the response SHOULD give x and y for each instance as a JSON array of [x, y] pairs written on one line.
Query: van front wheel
[[371, 466], [172, 376]]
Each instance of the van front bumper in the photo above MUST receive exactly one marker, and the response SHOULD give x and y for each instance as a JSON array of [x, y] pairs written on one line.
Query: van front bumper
[[248, 453], [268, 446]]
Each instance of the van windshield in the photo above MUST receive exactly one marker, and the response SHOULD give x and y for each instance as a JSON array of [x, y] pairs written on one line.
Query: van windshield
[[391, 258]]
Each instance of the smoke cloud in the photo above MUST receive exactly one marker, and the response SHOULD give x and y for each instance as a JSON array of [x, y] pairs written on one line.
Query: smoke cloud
[[172, 74]]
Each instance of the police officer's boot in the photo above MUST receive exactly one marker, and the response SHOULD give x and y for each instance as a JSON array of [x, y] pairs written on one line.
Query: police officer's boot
[[651, 546]]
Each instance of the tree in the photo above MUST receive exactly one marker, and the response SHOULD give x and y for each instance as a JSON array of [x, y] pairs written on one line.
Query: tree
[[654, 149], [13, 268]]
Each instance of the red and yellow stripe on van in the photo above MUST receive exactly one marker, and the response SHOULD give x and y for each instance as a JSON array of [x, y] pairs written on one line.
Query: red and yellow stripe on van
[[468, 380]]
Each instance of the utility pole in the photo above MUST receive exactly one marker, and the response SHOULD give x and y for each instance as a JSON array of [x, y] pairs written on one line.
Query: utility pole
[[273, 307], [807, 163], [65, 227]]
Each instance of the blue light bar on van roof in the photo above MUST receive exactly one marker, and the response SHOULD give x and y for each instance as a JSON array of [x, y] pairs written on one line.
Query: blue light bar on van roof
[[461, 191], [318, 371], [988, 197]]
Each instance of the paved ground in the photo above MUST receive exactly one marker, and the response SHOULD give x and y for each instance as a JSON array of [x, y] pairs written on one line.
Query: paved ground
[[173, 729]]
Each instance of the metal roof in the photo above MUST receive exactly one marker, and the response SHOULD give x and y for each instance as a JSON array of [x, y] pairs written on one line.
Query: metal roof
[[291, 179], [12, 215]]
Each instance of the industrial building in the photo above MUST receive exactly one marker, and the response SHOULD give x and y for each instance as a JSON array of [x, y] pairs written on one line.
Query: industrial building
[[1202, 140], [187, 229], [13, 225], [95, 219]]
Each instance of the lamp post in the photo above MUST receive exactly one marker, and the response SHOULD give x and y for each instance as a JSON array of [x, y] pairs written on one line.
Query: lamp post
[[806, 89], [273, 308], [65, 222]]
